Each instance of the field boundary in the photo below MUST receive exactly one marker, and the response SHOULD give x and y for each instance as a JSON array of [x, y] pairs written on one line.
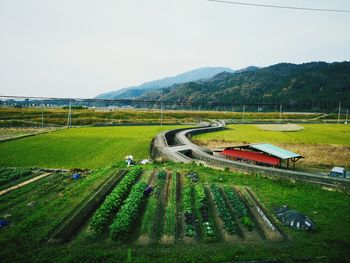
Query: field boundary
[[30, 135], [17, 186]]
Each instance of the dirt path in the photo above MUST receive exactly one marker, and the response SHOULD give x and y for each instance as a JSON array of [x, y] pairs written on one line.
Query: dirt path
[[320, 117], [168, 239], [24, 183], [160, 212], [139, 239]]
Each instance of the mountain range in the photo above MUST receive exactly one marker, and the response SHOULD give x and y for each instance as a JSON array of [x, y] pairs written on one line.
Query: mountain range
[[136, 91], [314, 84]]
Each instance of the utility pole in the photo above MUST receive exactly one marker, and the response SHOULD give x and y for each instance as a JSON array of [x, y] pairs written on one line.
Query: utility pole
[[280, 113], [339, 112], [243, 113], [161, 114], [346, 118], [42, 116], [69, 121]]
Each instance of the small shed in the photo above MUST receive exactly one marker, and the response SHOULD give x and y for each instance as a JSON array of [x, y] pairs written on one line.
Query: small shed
[[262, 153]]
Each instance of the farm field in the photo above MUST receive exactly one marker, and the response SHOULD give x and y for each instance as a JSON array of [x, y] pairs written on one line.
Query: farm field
[[141, 229], [23, 117], [87, 147], [322, 145]]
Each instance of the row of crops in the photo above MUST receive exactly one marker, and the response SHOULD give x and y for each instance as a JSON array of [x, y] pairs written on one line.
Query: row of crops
[[149, 208], [113, 201]]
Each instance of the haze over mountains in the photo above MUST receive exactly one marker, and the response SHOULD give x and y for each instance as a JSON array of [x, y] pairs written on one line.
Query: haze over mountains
[[136, 91]]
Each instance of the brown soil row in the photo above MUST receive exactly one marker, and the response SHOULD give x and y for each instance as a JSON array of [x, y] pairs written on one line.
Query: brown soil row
[[160, 212], [143, 240], [179, 217], [165, 239]]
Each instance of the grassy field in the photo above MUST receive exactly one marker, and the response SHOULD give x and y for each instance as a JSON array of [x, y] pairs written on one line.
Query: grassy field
[[17, 117], [89, 147], [322, 145], [37, 209]]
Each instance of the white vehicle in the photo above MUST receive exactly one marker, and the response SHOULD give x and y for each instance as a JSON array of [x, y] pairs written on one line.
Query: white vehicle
[[338, 172]]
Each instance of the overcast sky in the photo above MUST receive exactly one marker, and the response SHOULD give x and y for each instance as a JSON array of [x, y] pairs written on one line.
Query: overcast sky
[[80, 48]]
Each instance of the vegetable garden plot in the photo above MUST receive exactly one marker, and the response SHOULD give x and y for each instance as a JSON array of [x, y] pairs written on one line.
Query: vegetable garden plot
[[37, 209], [24, 183], [245, 218], [53, 183], [76, 220], [207, 216], [10, 175]]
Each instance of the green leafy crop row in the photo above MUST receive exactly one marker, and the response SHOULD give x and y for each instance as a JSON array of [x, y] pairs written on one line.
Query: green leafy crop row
[[113, 201], [128, 211], [202, 207], [223, 210], [239, 207]]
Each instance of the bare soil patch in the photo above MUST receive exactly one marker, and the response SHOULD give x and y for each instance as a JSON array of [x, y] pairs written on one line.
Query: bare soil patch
[[289, 127]]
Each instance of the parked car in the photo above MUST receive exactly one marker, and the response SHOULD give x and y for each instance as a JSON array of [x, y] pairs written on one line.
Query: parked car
[[338, 172]]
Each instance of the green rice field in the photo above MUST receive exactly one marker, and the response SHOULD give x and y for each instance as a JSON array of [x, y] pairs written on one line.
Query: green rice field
[[311, 134], [89, 147]]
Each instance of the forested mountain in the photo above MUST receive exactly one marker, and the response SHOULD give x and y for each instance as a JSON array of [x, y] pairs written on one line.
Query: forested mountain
[[135, 91], [311, 84]]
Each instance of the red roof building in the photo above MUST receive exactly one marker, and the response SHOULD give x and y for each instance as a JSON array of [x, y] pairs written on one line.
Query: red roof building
[[262, 154], [251, 156]]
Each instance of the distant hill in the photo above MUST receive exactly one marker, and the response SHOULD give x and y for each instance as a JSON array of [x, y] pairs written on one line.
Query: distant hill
[[135, 91], [316, 83]]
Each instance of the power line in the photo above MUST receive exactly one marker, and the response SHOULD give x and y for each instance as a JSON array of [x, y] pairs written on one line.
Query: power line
[[68, 100], [282, 7]]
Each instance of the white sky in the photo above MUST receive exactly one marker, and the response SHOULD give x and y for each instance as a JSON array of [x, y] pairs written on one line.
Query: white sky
[[81, 48]]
